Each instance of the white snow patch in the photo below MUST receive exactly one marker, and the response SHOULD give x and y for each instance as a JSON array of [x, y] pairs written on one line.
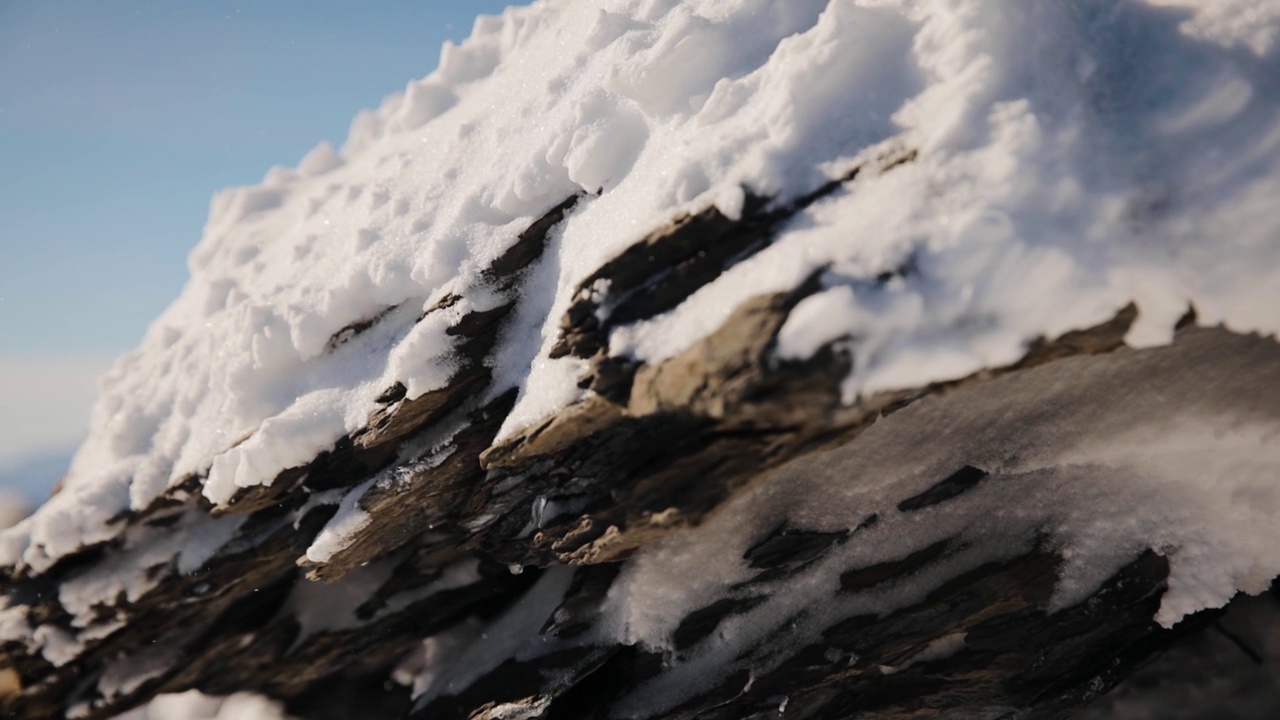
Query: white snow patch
[[320, 607], [126, 675], [515, 634], [193, 705], [416, 457], [338, 534], [14, 624], [57, 645], [149, 555]]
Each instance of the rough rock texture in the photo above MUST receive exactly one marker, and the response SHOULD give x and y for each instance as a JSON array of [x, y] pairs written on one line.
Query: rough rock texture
[[1229, 670], [461, 528]]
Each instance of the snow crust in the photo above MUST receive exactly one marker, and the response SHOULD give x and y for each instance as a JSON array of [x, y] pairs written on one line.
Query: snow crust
[[1072, 158]]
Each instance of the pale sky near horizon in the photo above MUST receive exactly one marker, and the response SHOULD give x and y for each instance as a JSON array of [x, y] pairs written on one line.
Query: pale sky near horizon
[[118, 122]]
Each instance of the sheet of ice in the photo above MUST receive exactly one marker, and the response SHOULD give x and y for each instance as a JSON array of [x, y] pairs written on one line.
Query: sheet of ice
[[1073, 157]]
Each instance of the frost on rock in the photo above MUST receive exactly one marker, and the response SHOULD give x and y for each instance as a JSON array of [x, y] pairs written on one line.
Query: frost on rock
[[724, 357]]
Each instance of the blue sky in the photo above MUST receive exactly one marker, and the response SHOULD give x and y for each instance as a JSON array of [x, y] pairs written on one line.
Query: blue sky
[[118, 121]]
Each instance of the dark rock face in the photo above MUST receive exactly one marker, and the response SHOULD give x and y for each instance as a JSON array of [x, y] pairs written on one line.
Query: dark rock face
[[955, 484], [501, 558], [1227, 669]]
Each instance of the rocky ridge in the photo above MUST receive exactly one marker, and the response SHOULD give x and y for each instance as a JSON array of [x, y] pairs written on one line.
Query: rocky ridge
[[462, 533]]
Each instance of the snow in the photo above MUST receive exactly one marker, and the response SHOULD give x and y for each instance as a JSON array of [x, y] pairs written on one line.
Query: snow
[[1070, 158], [192, 705], [418, 456], [514, 634], [318, 607], [132, 569], [147, 557], [126, 676], [339, 532]]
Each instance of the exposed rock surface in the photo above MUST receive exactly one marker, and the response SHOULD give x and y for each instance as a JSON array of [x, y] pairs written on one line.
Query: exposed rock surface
[[490, 564]]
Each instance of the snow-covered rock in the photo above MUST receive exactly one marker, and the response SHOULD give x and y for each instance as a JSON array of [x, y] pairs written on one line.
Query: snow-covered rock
[[614, 271]]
